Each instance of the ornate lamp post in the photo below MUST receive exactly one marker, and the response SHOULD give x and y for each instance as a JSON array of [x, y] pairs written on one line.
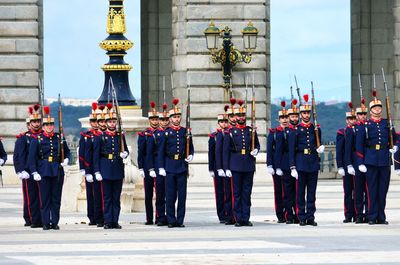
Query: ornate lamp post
[[116, 45], [228, 56]]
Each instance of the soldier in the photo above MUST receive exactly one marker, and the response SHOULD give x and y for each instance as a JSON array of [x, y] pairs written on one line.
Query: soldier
[[396, 156], [374, 158], [145, 159], [350, 160], [348, 184], [304, 164], [231, 114], [93, 189], [239, 164], [219, 181], [45, 162], [109, 150], [173, 164], [30, 188], [281, 166], [293, 114]]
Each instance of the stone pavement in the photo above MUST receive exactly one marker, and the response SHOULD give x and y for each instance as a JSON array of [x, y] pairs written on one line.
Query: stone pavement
[[204, 240]]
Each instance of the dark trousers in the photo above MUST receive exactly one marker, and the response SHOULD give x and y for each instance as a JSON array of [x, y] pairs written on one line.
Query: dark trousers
[[278, 196], [30, 190], [228, 199], [149, 184], [306, 190], [50, 199], [242, 187], [175, 187], [160, 200], [94, 200], [378, 179], [112, 200], [289, 195], [348, 189], [219, 196], [360, 195]]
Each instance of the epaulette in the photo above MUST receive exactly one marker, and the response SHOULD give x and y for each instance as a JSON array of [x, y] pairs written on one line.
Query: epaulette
[[319, 126], [83, 134], [271, 130], [140, 133], [212, 135], [280, 129], [148, 134], [19, 135], [340, 131]]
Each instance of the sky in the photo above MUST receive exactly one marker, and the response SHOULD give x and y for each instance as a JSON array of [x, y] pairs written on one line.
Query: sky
[[309, 39]]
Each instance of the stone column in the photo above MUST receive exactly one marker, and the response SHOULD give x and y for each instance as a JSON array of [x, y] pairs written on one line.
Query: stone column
[[396, 61], [191, 60], [21, 52]]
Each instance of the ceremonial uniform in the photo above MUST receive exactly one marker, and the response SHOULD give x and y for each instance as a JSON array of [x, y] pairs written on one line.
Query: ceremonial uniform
[[218, 181]]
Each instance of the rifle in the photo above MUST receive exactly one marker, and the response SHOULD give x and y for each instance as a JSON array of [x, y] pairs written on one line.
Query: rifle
[[163, 88], [245, 102], [360, 85], [253, 117], [119, 120], [314, 110], [41, 96], [61, 154], [298, 90], [291, 94], [388, 113], [188, 132]]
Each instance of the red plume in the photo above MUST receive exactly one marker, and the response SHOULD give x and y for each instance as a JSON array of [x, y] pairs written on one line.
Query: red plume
[[240, 102], [294, 102], [30, 109], [362, 100], [226, 108], [175, 101], [233, 101], [283, 104], [374, 93], [109, 106], [94, 105], [164, 106], [152, 104], [101, 107], [36, 107], [46, 110], [305, 97], [350, 105]]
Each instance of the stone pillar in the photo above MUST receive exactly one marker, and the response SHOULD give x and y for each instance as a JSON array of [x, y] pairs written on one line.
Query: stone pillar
[[396, 71], [21, 53], [191, 60]]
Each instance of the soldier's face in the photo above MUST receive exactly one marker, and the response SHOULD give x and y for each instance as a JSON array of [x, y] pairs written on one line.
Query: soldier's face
[[94, 125], [376, 111], [154, 122], [111, 124], [284, 121], [102, 125], [241, 119], [305, 116], [362, 116], [176, 120], [164, 123], [294, 119], [48, 127], [35, 125], [232, 119], [351, 121], [223, 124]]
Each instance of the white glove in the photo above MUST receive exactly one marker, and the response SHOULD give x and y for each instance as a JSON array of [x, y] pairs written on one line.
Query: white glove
[[20, 176], [36, 176], [341, 171], [221, 173], [321, 149], [65, 162], [98, 176], [141, 173], [189, 158], [123, 154], [350, 170], [254, 152], [212, 174], [294, 173], [1, 162], [392, 150], [397, 172], [162, 172], [270, 170], [25, 175], [279, 172], [228, 173], [89, 178], [362, 168], [83, 172], [152, 173]]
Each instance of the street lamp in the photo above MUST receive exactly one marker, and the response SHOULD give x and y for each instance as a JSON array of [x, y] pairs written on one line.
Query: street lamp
[[228, 56]]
